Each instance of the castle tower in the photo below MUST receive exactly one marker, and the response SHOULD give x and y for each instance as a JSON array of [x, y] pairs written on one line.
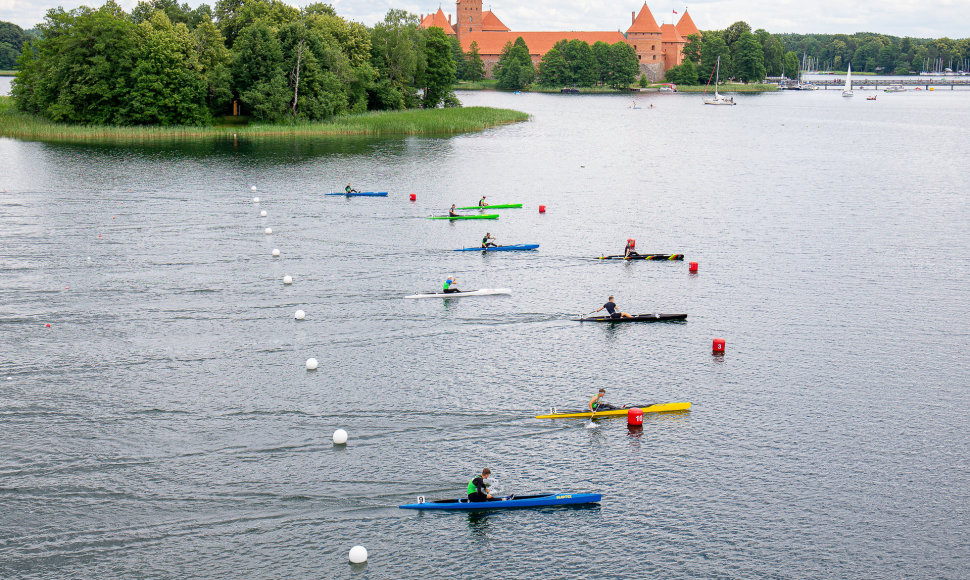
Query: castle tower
[[468, 17], [645, 37]]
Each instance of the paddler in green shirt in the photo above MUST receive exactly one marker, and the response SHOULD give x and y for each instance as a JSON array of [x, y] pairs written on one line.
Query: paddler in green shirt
[[596, 404], [478, 488], [449, 285]]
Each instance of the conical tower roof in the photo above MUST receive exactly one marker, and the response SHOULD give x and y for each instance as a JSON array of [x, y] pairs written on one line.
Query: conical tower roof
[[644, 21], [440, 20], [686, 26], [671, 34]]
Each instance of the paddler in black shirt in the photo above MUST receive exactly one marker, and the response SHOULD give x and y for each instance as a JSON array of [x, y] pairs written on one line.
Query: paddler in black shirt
[[611, 308], [451, 212], [478, 489], [481, 202], [485, 241], [628, 251]]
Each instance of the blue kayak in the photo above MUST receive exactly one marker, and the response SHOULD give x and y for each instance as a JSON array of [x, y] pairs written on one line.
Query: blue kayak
[[362, 194], [510, 248], [505, 502]]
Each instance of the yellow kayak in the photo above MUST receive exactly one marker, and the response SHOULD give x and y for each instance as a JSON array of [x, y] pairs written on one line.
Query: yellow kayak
[[665, 408]]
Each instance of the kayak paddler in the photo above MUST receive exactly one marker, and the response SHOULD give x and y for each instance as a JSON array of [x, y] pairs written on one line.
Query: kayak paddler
[[451, 212], [596, 404], [481, 202], [628, 251], [485, 241], [449, 287], [610, 307], [349, 189], [478, 488]]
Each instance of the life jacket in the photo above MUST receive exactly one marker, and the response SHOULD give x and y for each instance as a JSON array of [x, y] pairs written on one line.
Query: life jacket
[[472, 488]]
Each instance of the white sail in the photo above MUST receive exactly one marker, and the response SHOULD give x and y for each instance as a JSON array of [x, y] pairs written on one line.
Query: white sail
[[847, 91]]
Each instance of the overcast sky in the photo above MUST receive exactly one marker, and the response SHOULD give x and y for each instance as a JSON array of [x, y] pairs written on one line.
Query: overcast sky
[[927, 18]]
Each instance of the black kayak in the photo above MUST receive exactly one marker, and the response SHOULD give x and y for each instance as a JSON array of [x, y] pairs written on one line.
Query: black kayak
[[645, 257], [659, 317]]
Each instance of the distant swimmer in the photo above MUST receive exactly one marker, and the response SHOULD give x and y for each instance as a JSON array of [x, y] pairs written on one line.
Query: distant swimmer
[[611, 308], [478, 487], [449, 286], [481, 202], [486, 243], [349, 189]]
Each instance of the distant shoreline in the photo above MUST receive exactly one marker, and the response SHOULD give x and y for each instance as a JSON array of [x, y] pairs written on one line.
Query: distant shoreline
[[430, 122], [490, 85]]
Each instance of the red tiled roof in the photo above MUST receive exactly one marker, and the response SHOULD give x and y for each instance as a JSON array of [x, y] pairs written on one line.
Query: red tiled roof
[[644, 21], [669, 34], [686, 26], [438, 19], [491, 23], [492, 43]]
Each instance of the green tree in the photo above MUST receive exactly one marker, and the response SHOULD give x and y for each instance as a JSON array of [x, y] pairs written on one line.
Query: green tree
[[774, 52], [792, 65], [581, 70], [601, 52], [175, 12], [712, 47], [692, 48], [553, 68], [258, 74], [215, 62], [235, 15], [12, 39], [474, 66], [439, 76], [733, 33], [624, 65], [397, 54], [682, 74], [748, 59], [514, 69], [644, 83]]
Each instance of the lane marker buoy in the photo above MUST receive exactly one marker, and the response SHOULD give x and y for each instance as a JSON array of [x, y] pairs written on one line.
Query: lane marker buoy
[[340, 437], [311, 364]]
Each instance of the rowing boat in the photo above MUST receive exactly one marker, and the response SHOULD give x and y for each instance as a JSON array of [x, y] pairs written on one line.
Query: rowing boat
[[362, 194], [664, 408], [509, 248], [482, 292], [502, 503], [658, 317], [496, 206], [487, 216], [644, 257]]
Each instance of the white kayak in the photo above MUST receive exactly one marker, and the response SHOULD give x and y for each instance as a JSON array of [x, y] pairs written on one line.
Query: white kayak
[[482, 292]]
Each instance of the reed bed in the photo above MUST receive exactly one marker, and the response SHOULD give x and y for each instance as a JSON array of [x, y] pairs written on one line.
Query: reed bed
[[431, 122]]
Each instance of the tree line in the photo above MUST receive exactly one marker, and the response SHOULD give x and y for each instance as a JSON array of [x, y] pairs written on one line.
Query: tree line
[[745, 56], [169, 64], [880, 53], [12, 39]]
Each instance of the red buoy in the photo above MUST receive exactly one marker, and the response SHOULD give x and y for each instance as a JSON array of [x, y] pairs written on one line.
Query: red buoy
[[542, 209], [634, 416], [718, 346], [692, 267], [414, 197], [48, 325]]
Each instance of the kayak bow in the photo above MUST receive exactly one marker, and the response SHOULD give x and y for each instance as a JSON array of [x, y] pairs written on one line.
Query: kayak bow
[[509, 248], [658, 317], [505, 502], [663, 408], [487, 216]]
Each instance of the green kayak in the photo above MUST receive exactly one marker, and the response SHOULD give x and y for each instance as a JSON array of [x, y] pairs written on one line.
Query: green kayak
[[498, 206], [488, 216]]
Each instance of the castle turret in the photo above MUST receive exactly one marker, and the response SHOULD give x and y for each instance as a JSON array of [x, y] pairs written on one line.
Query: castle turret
[[644, 35], [468, 17]]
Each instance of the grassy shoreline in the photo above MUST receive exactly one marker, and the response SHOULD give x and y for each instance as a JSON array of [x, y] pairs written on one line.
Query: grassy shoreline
[[431, 122]]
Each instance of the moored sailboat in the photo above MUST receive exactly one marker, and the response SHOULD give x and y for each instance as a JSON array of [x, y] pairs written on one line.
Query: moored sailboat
[[717, 99], [847, 91]]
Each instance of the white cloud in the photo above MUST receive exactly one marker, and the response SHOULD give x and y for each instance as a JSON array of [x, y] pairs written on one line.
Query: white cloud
[[896, 17]]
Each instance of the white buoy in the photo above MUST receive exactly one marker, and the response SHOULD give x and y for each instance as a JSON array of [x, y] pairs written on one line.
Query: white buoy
[[358, 555], [311, 364], [300, 315], [276, 253], [255, 200], [287, 279], [268, 231], [262, 213], [340, 438], [253, 188]]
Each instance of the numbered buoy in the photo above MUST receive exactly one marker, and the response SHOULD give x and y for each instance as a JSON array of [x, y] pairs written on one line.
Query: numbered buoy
[[311, 364], [340, 437], [692, 267], [276, 253], [287, 279], [718, 346], [299, 315], [414, 197], [358, 555], [262, 213], [634, 416], [268, 231]]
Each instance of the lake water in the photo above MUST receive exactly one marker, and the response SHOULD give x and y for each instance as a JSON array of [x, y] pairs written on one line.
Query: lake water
[[165, 425]]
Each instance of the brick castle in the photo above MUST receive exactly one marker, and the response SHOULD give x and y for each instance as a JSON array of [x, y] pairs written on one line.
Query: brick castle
[[658, 47]]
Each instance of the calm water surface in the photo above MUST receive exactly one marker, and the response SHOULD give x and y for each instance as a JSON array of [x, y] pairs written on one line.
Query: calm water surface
[[165, 425]]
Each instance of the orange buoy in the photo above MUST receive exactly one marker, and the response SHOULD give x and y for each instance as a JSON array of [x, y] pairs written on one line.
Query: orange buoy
[[634, 416], [542, 209], [692, 267], [718, 346], [414, 197], [48, 325]]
